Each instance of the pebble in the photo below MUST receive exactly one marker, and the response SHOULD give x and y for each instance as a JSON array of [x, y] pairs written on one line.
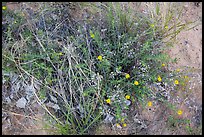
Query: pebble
[[53, 98], [108, 118], [127, 102], [186, 6], [21, 103], [8, 100], [52, 105], [185, 42]]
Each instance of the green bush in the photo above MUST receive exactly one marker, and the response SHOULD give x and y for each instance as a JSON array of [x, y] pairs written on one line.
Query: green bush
[[92, 69]]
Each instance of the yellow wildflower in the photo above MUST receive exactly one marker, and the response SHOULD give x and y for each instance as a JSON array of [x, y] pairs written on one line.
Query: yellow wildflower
[[92, 35], [117, 125], [163, 65], [127, 96], [177, 70], [4, 7], [159, 79], [176, 82], [136, 83], [122, 120], [185, 77], [179, 112], [127, 76], [124, 125], [149, 103], [152, 25], [100, 57], [60, 54], [166, 27], [108, 101]]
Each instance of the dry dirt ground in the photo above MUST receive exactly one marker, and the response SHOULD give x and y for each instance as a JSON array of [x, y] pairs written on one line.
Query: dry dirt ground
[[141, 121]]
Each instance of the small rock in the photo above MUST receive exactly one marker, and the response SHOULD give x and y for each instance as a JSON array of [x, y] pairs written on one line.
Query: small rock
[[29, 89], [108, 118], [13, 77], [21, 103], [53, 98], [8, 100], [186, 6], [52, 105], [59, 72], [185, 42], [127, 102], [15, 87], [56, 107], [124, 114]]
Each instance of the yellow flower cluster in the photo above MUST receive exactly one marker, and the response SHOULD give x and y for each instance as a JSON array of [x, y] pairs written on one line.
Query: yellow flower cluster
[[117, 125], [163, 65], [124, 125], [92, 35], [127, 76], [108, 101], [127, 96], [152, 25], [136, 83], [149, 103], [159, 79], [4, 7], [122, 120], [179, 112], [60, 54], [176, 82], [100, 58], [185, 77], [178, 70]]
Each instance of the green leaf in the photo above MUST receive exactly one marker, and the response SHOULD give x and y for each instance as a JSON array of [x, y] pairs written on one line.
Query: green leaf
[[157, 8]]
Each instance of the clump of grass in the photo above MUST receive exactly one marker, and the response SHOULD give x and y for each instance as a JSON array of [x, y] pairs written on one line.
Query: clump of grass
[[92, 68]]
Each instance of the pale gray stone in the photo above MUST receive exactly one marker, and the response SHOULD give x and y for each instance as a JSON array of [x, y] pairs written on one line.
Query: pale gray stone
[[52, 105], [8, 100], [21, 103], [127, 102], [53, 98], [108, 118]]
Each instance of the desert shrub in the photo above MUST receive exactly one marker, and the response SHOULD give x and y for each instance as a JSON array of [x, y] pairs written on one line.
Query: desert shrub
[[90, 68]]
